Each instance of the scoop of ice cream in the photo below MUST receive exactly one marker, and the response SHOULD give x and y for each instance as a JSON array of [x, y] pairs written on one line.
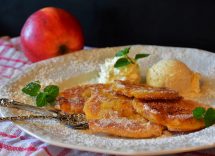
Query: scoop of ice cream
[[173, 74], [108, 73]]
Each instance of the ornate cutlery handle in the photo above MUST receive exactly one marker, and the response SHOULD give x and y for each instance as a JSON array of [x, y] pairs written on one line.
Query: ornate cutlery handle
[[76, 121], [14, 118], [18, 105], [67, 119]]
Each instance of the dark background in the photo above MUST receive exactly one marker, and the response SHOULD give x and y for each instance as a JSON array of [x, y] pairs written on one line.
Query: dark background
[[120, 22]]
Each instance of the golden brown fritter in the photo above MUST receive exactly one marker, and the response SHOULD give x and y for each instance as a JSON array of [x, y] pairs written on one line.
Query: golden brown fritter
[[176, 115], [72, 100], [105, 105], [125, 127], [142, 91], [114, 114]]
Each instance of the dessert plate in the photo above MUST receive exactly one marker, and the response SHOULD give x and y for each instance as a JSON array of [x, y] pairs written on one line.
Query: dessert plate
[[83, 67]]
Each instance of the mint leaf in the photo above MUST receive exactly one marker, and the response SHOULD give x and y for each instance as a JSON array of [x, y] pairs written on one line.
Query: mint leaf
[[209, 117], [52, 92], [121, 62], [32, 88], [123, 52], [139, 56], [41, 99], [199, 113], [48, 95]]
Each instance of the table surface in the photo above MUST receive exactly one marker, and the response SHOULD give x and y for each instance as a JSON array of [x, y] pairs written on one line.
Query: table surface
[[14, 141]]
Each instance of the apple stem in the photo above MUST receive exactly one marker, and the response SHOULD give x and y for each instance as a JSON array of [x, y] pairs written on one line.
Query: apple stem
[[63, 49]]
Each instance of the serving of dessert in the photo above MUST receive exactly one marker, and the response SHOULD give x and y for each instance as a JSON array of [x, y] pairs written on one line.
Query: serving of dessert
[[131, 98], [121, 105]]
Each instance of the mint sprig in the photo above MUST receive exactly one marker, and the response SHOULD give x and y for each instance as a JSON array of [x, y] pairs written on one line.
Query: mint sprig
[[125, 60], [207, 115], [47, 96]]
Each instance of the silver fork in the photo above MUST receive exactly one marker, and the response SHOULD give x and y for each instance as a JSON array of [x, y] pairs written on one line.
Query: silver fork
[[76, 121]]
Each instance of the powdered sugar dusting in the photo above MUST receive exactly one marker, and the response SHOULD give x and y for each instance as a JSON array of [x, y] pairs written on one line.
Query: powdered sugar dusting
[[72, 69]]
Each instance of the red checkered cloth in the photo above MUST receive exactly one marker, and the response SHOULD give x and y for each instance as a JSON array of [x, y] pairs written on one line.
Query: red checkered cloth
[[14, 141]]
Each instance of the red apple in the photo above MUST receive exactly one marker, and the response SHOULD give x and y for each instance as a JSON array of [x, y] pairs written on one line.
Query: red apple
[[51, 32]]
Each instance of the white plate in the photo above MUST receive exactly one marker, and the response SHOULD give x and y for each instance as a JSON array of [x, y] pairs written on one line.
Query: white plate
[[72, 69]]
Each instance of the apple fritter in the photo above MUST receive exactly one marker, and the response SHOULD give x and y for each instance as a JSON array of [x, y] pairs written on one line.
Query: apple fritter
[[142, 91], [106, 105], [114, 114], [125, 127], [72, 100], [176, 115]]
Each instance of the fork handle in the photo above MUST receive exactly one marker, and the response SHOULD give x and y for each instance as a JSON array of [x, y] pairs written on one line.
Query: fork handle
[[4, 102], [14, 118], [79, 126]]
